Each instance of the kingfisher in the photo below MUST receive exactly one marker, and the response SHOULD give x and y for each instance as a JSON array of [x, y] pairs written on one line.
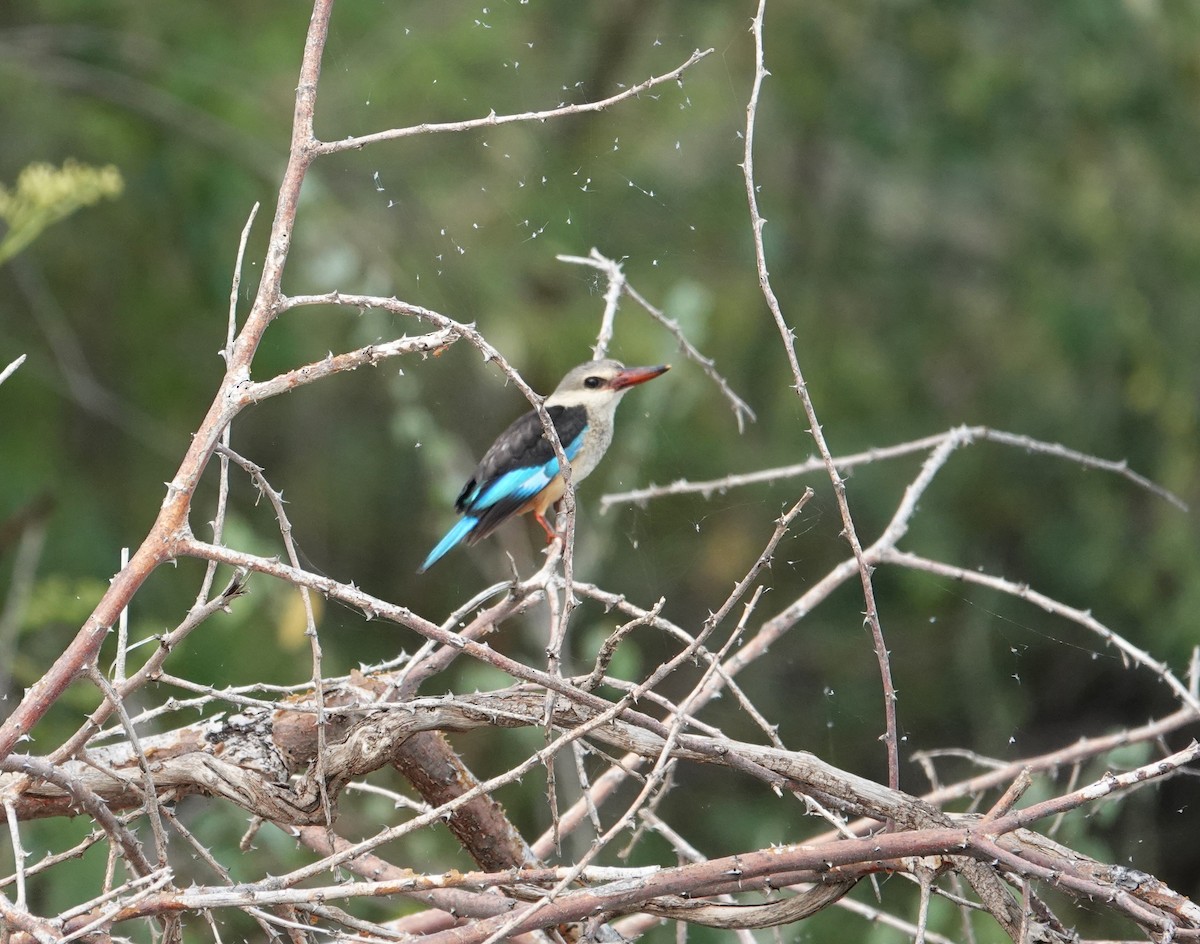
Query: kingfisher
[[520, 471]]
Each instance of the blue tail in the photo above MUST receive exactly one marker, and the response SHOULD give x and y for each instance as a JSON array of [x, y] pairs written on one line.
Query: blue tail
[[453, 536]]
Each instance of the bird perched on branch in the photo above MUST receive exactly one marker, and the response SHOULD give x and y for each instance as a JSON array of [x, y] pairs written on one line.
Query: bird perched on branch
[[520, 472]]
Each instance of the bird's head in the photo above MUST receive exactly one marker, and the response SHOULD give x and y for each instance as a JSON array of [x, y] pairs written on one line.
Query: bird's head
[[598, 383]]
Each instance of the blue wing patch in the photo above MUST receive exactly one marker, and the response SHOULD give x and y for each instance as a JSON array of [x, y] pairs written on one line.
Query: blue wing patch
[[520, 485], [489, 504]]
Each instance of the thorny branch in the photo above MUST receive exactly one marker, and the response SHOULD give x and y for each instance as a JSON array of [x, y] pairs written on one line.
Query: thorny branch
[[366, 733], [788, 337], [618, 285]]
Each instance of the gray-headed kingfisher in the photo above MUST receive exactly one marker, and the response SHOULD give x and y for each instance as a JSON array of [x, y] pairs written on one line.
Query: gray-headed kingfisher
[[520, 472]]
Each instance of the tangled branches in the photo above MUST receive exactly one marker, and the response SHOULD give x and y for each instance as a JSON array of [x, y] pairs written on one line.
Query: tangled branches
[[297, 759]]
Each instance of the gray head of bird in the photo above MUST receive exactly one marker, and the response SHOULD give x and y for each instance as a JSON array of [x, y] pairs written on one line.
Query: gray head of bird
[[599, 384]]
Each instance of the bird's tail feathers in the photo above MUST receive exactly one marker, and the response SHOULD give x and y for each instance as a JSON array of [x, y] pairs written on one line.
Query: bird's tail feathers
[[453, 537]]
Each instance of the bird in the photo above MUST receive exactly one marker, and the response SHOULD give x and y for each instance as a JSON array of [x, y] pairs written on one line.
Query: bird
[[520, 471]]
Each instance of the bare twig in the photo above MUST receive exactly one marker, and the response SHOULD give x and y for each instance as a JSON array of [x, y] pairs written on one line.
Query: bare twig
[[788, 336], [288, 754], [1024, 592], [149, 790], [618, 284], [741, 409], [612, 294], [37, 768], [493, 120], [11, 368], [172, 520], [153, 665], [14, 837], [967, 435]]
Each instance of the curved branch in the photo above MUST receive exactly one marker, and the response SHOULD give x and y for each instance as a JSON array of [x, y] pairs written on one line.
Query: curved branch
[[493, 120]]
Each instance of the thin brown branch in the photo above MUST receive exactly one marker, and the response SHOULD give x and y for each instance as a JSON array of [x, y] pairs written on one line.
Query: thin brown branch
[[371, 355], [788, 337], [741, 409], [969, 435], [493, 120], [1072, 754], [172, 521], [1025, 592], [83, 798]]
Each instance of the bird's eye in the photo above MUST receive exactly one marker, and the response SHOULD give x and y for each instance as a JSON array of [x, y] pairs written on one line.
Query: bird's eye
[[593, 382]]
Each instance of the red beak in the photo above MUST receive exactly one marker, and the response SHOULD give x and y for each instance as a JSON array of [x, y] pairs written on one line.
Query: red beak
[[629, 376]]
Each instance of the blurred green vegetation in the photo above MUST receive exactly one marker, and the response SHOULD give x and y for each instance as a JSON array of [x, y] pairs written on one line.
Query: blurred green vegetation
[[978, 213], [45, 194]]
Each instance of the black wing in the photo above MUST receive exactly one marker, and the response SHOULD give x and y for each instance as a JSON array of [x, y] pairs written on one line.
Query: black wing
[[522, 446]]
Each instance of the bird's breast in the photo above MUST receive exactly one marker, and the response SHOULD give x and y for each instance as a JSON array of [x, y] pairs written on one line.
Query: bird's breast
[[595, 444]]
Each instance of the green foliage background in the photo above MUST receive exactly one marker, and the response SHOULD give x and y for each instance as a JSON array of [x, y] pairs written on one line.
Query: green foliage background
[[978, 213]]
